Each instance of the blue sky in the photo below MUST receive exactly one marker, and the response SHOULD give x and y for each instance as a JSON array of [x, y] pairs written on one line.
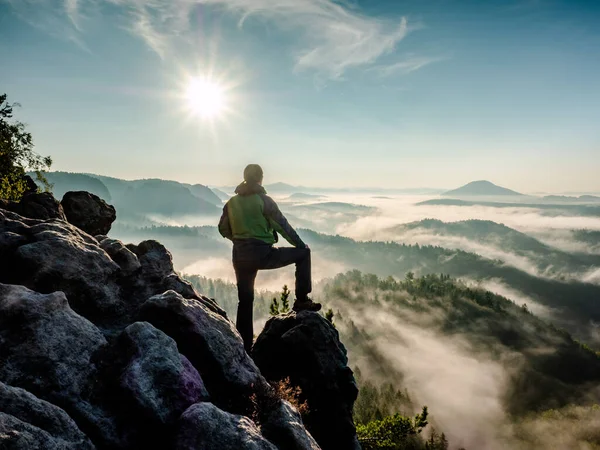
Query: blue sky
[[369, 93]]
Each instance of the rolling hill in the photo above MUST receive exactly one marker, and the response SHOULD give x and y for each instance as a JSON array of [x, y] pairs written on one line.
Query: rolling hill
[[480, 188]]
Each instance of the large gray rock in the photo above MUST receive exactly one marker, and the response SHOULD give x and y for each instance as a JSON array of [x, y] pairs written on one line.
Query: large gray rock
[[156, 260], [25, 419], [157, 275], [88, 212], [284, 428], [205, 427], [173, 282], [306, 348], [147, 384], [119, 253], [46, 346], [18, 435], [159, 381], [47, 349], [60, 257], [47, 256], [211, 343]]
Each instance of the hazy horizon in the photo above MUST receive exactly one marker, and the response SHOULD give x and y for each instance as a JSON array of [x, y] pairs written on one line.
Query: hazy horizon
[[316, 188]]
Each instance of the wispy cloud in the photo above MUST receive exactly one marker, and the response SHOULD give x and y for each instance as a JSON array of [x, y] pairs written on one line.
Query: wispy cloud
[[72, 10], [59, 18], [332, 37], [407, 66]]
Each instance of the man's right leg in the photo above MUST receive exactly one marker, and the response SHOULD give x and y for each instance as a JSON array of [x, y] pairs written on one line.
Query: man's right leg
[[244, 323]]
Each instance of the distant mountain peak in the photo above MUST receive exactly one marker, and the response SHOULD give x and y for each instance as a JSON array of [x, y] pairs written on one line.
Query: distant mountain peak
[[480, 188]]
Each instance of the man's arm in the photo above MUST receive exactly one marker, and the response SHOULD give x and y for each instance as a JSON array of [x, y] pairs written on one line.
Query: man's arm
[[224, 225], [280, 223]]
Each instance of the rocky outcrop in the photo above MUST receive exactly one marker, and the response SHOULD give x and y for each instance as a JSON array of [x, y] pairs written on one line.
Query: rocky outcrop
[[28, 422], [306, 348], [104, 280], [103, 345], [206, 427], [88, 212]]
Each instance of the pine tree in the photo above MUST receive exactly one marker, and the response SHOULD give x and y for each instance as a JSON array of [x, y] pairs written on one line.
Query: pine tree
[[275, 307], [329, 315], [443, 442], [285, 302]]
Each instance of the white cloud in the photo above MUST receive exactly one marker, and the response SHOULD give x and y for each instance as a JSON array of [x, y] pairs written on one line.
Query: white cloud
[[333, 37]]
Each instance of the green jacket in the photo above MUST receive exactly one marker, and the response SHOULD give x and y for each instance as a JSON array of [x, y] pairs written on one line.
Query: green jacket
[[252, 214]]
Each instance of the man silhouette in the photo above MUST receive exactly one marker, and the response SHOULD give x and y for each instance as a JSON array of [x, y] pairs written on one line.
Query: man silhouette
[[252, 219]]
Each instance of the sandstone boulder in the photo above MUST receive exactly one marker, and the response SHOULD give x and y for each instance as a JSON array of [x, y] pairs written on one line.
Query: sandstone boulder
[[26, 419], [306, 348], [88, 212], [56, 257], [120, 254], [284, 428], [205, 427], [48, 349], [210, 342]]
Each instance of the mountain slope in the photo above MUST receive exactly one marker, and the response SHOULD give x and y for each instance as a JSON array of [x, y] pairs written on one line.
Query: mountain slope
[[137, 200], [505, 240], [479, 188], [63, 182]]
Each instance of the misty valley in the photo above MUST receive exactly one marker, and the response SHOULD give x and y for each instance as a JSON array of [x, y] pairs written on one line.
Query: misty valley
[[481, 303]]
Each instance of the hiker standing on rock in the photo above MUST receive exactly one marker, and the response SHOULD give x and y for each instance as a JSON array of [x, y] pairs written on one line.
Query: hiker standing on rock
[[251, 219]]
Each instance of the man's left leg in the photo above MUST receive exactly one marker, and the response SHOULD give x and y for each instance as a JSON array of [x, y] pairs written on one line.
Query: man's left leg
[[281, 257]]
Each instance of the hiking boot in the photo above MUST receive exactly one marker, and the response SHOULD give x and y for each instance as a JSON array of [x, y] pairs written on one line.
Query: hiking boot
[[306, 305]]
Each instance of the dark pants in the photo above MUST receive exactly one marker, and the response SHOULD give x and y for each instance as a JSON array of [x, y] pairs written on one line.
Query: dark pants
[[251, 256]]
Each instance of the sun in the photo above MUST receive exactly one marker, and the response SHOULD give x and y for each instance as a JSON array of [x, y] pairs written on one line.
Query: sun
[[205, 98]]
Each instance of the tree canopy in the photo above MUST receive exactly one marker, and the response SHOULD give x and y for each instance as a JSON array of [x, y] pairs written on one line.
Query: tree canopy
[[17, 155]]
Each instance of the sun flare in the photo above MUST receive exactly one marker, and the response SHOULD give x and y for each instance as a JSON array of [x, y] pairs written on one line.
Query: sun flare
[[205, 98]]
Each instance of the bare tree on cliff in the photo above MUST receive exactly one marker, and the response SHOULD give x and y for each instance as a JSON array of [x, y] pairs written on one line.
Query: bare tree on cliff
[[17, 155]]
